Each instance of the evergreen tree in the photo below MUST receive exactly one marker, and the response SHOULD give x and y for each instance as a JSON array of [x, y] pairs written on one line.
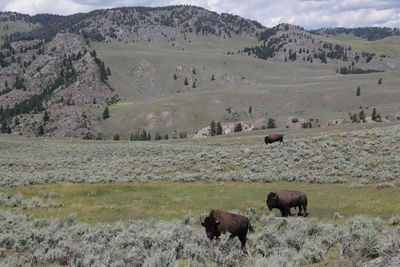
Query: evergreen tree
[[106, 113], [361, 116], [143, 136], [373, 116], [219, 129], [213, 129], [380, 80], [175, 77], [358, 93], [186, 81], [238, 127], [46, 116], [40, 130], [157, 137], [271, 123], [250, 109], [213, 78], [4, 127], [354, 117]]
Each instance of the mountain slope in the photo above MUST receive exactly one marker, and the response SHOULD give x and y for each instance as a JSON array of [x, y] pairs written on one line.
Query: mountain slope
[[60, 77], [144, 25], [175, 69]]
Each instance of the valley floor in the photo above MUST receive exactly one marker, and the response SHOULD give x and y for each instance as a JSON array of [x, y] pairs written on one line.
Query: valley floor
[[85, 203]]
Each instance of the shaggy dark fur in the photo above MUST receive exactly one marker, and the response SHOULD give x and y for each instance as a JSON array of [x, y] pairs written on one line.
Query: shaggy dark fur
[[271, 138], [219, 222], [285, 199]]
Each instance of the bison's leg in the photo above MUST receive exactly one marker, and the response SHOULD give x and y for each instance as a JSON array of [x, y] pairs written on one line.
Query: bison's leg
[[283, 213], [305, 210], [242, 239], [299, 213], [288, 211]]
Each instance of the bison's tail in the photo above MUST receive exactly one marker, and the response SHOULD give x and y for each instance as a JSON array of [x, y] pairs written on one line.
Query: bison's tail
[[251, 228]]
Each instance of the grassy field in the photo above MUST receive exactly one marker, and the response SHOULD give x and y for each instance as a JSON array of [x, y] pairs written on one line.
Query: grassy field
[[144, 76], [139, 203], [388, 46], [110, 203]]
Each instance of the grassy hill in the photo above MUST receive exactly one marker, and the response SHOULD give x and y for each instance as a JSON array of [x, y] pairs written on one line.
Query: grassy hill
[[177, 68], [152, 99]]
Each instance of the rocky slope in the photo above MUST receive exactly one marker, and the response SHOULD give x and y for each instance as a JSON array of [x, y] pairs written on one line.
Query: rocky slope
[[145, 25], [61, 77], [291, 43]]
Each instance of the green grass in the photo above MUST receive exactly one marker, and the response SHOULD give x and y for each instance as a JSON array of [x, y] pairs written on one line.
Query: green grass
[[110, 203], [388, 46], [144, 76]]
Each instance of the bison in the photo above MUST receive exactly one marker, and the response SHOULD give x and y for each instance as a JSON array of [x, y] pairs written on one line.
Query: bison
[[219, 221], [271, 138], [285, 199]]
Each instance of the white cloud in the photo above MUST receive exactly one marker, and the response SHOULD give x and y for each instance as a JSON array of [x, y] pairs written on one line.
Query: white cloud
[[62, 7], [310, 14]]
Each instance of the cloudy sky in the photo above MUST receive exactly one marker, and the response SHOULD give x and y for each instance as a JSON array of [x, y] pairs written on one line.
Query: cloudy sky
[[310, 14]]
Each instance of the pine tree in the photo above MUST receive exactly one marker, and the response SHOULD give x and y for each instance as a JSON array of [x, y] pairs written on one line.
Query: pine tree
[[219, 129], [358, 93], [40, 130], [46, 116], [213, 78], [373, 116], [238, 127], [186, 81], [271, 123], [4, 126], [213, 129], [380, 80], [250, 109], [106, 113], [361, 116]]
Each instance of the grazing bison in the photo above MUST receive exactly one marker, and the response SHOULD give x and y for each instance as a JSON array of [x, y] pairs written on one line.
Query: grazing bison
[[271, 138], [285, 199], [221, 221]]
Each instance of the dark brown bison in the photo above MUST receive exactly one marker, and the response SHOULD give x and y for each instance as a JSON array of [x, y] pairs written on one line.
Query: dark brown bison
[[285, 199], [271, 138], [218, 222]]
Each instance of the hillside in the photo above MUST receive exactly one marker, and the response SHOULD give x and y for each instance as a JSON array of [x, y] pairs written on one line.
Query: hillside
[[174, 69], [60, 78], [144, 25]]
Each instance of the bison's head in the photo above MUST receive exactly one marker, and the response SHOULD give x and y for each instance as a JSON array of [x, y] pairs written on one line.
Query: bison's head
[[267, 140], [211, 226], [272, 200]]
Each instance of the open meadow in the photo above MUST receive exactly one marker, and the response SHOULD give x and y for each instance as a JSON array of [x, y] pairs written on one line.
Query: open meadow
[[121, 203], [150, 82]]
